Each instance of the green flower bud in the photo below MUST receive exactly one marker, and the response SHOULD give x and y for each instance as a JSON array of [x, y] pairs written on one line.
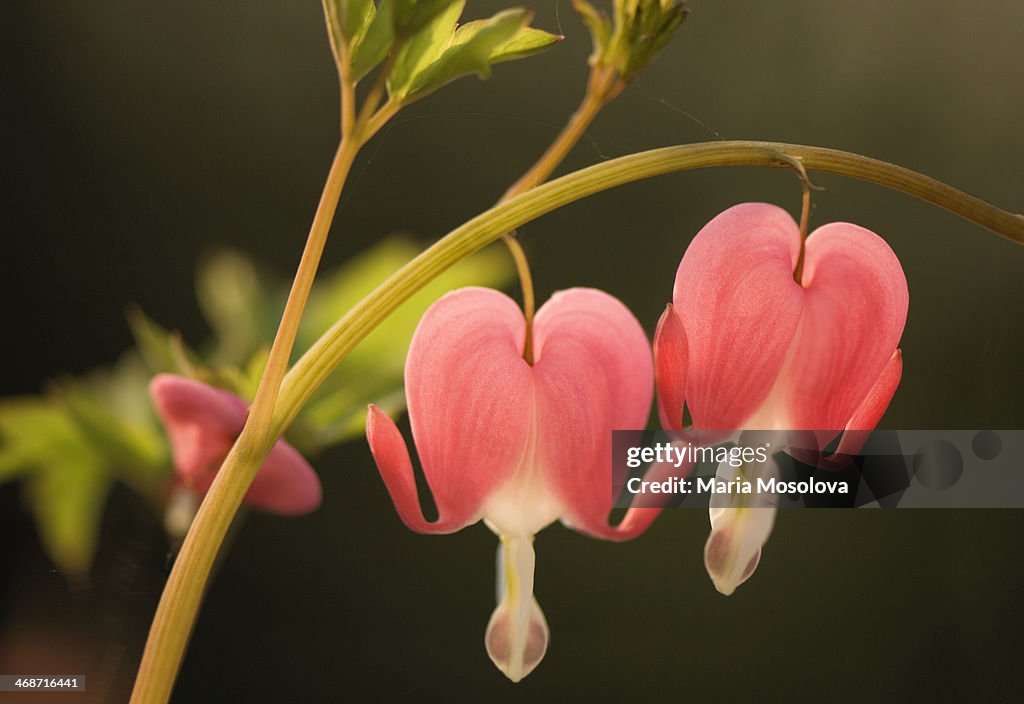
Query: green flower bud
[[637, 32]]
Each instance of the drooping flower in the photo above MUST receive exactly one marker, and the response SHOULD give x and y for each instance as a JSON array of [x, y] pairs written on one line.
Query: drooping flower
[[745, 346], [203, 423], [516, 445]]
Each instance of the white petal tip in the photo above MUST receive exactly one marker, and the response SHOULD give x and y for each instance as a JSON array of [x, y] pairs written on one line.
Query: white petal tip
[[724, 588], [725, 563], [516, 654]]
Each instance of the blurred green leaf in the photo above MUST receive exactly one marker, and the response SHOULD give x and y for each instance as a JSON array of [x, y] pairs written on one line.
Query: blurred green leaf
[[67, 501], [242, 314], [63, 476], [161, 349], [33, 432], [342, 416], [252, 372], [70, 447], [112, 409], [232, 298]]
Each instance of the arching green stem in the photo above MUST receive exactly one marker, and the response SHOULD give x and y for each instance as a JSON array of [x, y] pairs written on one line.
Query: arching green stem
[[321, 359]]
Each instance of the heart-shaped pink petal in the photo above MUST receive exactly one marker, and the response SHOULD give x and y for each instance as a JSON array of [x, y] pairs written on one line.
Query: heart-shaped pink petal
[[739, 306]]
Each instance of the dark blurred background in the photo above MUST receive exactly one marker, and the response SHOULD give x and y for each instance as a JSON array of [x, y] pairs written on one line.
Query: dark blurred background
[[139, 135]]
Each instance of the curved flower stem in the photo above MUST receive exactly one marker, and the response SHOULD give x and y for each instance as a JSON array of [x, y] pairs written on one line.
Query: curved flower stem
[[183, 592], [805, 216], [526, 284], [805, 209], [603, 86]]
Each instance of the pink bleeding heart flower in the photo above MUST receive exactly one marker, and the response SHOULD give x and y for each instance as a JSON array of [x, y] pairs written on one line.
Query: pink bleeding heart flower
[[516, 445], [745, 346], [203, 423]]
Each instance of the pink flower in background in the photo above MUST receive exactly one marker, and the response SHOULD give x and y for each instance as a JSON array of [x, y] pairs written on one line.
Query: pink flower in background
[[744, 346], [203, 423], [516, 445]]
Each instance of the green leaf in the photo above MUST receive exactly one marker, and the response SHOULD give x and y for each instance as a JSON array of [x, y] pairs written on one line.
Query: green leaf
[[165, 352], [412, 16], [471, 56], [431, 50], [70, 446], [161, 349], [423, 49], [33, 431], [525, 42], [65, 478], [67, 501], [124, 390], [376, 42], [348, 22], [348, 416], [252, 373], [118, 423], [232, 298], [350, 17]]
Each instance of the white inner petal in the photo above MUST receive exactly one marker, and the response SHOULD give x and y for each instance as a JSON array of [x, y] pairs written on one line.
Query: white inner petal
[[524, 504], [517, 634]]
